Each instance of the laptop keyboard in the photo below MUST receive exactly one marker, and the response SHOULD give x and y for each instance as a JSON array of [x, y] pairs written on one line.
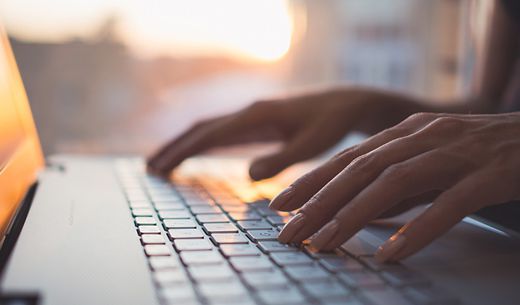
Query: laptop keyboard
[[207, 245]]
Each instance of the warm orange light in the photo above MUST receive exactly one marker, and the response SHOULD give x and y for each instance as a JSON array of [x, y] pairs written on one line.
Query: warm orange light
[[249, 29], [254, 29]]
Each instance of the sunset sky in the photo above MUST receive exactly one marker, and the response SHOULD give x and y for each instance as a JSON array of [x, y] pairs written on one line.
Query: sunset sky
[[249, 29]]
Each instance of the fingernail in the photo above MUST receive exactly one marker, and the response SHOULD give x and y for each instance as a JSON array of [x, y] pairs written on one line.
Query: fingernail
[[281, 199], [325, 235], [291, 228], [390, 248]]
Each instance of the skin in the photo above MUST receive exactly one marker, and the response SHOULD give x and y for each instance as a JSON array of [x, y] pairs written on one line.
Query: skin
[[450, 160], [307, 124], [419, 153]]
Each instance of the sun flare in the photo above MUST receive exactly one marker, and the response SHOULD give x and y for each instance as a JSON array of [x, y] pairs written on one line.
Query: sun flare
[[249, 29], [259, 29]]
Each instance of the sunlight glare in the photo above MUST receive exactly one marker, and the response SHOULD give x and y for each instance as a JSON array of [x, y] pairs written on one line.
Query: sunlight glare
[[254, 29]]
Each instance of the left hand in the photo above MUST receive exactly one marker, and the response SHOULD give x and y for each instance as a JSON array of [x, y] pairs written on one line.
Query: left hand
[[461, 163]]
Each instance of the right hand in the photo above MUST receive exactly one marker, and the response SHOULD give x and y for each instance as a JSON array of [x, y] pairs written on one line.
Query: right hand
[[307, 124]]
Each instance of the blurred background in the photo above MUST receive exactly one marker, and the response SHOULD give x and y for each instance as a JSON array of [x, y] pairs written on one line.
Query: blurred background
[[110, 76]]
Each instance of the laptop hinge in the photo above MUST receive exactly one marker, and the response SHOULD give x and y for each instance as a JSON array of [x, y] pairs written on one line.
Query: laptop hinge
[[15, 227]]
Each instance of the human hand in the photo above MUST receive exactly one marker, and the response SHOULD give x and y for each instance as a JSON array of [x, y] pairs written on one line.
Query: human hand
[[460, 162], [307, 124]]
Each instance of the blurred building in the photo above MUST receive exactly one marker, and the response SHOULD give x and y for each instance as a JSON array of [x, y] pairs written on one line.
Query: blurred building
[[405, 45]]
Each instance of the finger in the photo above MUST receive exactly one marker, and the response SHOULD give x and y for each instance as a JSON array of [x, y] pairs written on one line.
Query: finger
[[301, 190], [308, 143], [164, 150], [410, 203], [467, 196], [413, 177], [309, 184], [348, 183], [217, 133]]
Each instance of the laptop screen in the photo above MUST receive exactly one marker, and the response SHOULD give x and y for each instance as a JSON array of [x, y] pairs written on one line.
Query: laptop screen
[[20, 153]]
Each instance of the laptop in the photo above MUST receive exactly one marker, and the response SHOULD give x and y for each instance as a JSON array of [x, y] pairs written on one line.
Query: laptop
[[99, 230]]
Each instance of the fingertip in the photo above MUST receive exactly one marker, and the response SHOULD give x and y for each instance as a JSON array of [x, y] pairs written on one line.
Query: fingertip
[[259, 171], [282, 199], [389, 251]]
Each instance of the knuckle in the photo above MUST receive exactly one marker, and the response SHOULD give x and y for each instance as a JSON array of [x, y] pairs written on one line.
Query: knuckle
[[397, 131], [345, 155], [421, 117], [363, 164], [446, 123], [396, 174], [261, 106]]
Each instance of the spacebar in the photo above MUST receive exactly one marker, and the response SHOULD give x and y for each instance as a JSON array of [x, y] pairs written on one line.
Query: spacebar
[[363, 243]]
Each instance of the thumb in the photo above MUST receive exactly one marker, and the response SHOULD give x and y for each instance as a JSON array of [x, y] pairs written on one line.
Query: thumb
[[310, 142], [270, 165], [446, 211]]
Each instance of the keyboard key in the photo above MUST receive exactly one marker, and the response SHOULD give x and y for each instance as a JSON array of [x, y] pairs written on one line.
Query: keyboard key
[[156, 250], [169, 214], [251, 263], [223, 290], [278, 220], [220, 228], [326, 289], [211, 218], [239, 250], [192, 244], [259, 204], [307, 273], [236, 216], [144, 204], [179, 294], [262, 235], [211, 273], [145, 221], [282, 297], [199, 202], [336, 264], [228, 238], [384, 297], [166, 198], [185, 233], [361, 279], [267, 279], [170, 206], [371, 262], [180, 223], [152, 239], [291, 258], [275, 246], [324, 254], [163, 262], [201, 257], [205, 210], [403, 278], [428, 295], [148, 230], [142, 212], [137, 197], [170, 277], [265, 211], [350, 300], [254, 225], [243, 208]]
